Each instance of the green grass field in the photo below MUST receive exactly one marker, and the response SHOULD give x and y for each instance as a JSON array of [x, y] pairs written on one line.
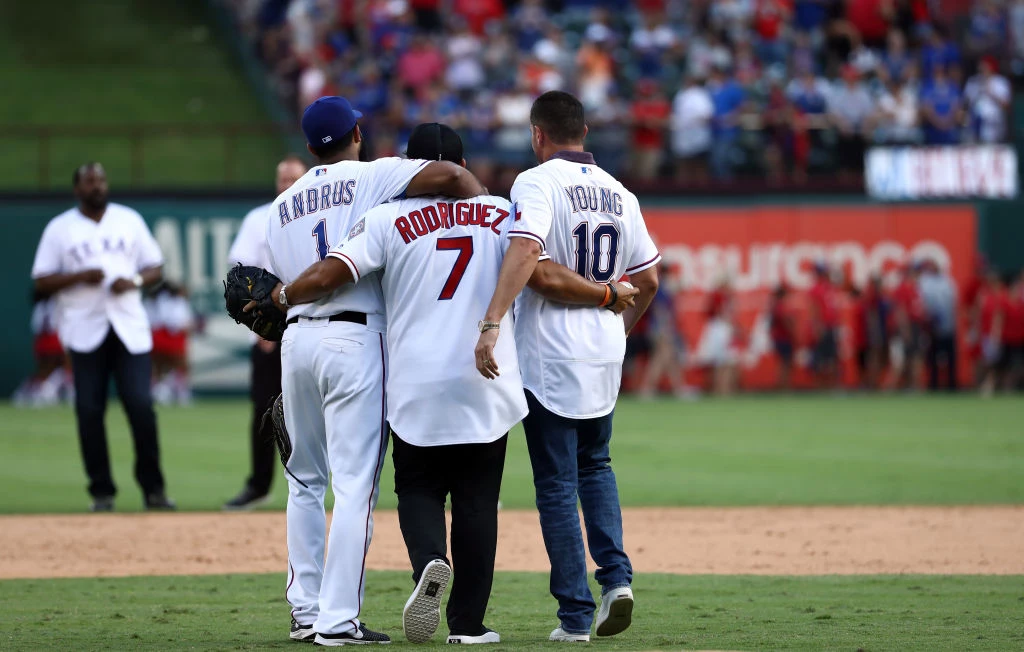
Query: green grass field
[[246, 612], [126, 64], [747, 451]]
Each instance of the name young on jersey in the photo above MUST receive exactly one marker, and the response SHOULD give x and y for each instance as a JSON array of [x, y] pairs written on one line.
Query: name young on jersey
[[443, 215], [594, 199], [317, 198]]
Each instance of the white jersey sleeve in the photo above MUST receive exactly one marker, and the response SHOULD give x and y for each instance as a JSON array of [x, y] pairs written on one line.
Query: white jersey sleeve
[[148, 253], [364, 251], [389, 177], [534, 209], [48, 253], [644, 253], [250, 245]]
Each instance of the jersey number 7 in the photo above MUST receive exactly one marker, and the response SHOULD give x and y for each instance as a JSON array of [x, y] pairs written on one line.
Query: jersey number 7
[[463, 245]]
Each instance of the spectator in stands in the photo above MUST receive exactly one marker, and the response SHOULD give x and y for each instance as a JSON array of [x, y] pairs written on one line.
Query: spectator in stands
[[896, 119], [908, 329], [428, 15], [770, 18], [809, 94], [465, 71], [896, 64], [650, 117], [992, 319], [692, 112], [782, 328], [650, 42], [871, 314], [727, 98], [705, 51], [1016, 29], [809, 16], [1012, 359], [420, 66], [849, 108], [941, 109], [667, 349], [988, 97], [595, 74], [986, 35], [731, 18], [530, 19], [747, 66], [786, 143], [871, 20], [939, 52], [824, 303], [939, 298], [479, 13]]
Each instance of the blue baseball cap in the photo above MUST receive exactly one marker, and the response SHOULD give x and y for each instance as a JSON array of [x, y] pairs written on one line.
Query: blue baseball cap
[[328, 119]]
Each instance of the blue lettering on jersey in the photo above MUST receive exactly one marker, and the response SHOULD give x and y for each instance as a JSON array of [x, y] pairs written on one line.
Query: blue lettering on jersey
[[282, 212], [317, 198], [297, 206], [312, 200], [594, 199]]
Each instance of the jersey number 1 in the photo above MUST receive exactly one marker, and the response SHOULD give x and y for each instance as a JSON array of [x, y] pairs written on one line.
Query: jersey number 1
[[320, 233], [596, 262], [464, 246]]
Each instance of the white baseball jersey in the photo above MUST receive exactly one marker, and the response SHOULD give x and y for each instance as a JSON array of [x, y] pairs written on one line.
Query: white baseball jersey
[[121, 245], [250, 244], [332, 376], [571, 356], [318, 211], [441, 260]]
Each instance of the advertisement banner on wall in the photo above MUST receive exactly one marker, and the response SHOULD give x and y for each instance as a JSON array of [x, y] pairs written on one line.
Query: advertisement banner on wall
[[754, 250], [971, 171]]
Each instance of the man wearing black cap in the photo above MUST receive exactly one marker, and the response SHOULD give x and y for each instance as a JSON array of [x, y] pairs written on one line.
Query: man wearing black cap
[[449, 424], [333, 367]]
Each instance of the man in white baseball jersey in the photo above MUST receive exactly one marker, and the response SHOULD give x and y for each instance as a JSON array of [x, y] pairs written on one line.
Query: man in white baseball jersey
[[333, 367], [441, 260], [96, 258], [250, 248], [571, 359]]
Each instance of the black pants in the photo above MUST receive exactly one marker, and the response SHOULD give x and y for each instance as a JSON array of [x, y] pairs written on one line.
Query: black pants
[[264, 387], [942, 347], [471, 473], [92, 372]]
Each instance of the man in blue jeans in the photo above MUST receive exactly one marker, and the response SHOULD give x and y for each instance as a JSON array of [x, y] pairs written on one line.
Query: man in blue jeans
[[575, 214]]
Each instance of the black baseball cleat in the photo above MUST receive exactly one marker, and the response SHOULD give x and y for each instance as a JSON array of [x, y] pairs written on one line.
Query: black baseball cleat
[[159, 503], [301, 632], [361, 636], [246, 499], [102, 504]]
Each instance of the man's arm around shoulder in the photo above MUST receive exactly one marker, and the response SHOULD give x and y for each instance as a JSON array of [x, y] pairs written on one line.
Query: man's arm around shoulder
[[560, 284], [445, 178]]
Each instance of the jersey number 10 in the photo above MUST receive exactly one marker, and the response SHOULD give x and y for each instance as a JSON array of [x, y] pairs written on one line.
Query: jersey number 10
[[596, 252]]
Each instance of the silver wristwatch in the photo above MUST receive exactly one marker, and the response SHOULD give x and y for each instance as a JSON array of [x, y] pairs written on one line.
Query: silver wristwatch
[[137, 280], [282, 298], [488, 325]]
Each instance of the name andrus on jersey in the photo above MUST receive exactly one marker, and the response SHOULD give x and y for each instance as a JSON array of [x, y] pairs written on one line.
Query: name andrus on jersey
[[443, 215], [318, 198], [594, 199]]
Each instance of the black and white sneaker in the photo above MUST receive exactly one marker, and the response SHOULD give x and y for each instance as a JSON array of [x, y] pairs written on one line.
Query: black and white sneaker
[[301, 632], [159, 503], [422, 613], [361, 636], [488, 636]]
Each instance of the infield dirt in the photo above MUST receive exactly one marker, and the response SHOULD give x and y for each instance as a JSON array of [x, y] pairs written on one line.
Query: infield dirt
[[742, 540]]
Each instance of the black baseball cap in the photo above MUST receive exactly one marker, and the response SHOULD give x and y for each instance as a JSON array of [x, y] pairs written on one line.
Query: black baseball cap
[[435, 142]]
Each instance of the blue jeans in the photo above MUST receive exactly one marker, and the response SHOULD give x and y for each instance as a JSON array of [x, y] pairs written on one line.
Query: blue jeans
[[570, 459]]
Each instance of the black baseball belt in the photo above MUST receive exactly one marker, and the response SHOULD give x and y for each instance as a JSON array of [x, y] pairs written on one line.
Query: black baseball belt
[[348, 315]]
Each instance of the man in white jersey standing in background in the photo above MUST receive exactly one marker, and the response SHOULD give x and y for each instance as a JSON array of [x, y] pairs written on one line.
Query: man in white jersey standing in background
[[441, 259], [250, 248], [94, 260], [333, 368], [571, 359]]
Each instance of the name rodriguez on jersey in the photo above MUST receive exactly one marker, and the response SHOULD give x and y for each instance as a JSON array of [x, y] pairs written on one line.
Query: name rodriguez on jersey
[[443, 215]]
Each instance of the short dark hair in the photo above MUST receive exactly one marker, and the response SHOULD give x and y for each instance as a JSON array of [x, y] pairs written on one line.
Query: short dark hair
[[335, 147], [77, 175], [560, 116]]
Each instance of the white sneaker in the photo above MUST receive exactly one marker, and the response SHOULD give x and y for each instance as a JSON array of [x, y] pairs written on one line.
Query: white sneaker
[[616, 611], [562, 635], [487, 637], [422, 613]]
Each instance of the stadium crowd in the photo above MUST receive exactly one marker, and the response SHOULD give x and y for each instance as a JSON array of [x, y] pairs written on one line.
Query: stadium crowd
[[903, 337], [679, 88]]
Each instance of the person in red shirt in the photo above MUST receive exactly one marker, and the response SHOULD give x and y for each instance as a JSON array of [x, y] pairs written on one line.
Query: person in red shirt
[[782, 329], [824, 301], [871, 311], [991, 317], [650, 113], [908, 318], [1011, 361], [770, 17], [479, 12]]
